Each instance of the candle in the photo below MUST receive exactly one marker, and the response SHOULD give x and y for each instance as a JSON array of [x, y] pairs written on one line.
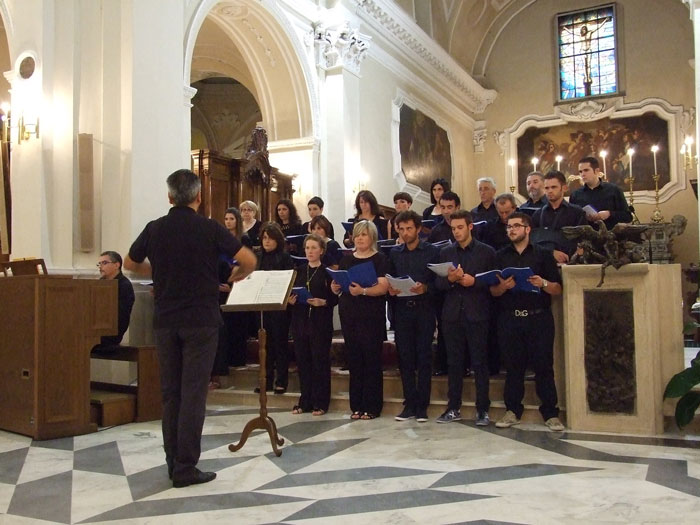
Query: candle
[[535, 160], [558, 158], [630, 152], [654, 149], [513, 182], [604, 154]]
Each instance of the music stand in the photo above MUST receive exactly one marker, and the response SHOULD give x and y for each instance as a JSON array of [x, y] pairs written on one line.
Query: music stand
[[262, 291]]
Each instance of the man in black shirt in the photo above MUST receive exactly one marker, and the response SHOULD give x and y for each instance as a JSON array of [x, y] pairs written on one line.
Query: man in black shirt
[[535, 192], [557, 213], [526, 325], [449, 203], [495, 232], [606, 198], [110, 265], [486, 210], [414, 316], [465, 316], [183, 249]]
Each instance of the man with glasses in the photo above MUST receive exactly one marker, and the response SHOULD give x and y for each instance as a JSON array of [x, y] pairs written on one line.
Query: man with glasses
[[526, 325], [110, 266]]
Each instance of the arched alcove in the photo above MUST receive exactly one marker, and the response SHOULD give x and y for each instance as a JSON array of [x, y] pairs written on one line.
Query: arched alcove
[[253, 43]]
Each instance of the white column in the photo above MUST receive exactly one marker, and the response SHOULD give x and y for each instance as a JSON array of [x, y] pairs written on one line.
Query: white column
[[339, 53]]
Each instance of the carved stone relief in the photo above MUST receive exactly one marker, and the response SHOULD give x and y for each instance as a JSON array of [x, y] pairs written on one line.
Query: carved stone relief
[[340, 46]]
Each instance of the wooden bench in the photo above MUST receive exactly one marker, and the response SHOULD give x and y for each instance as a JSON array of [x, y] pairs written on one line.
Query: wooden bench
[[147, 389]]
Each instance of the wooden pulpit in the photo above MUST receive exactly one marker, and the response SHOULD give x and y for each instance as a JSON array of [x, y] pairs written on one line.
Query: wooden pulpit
[[48, 326]]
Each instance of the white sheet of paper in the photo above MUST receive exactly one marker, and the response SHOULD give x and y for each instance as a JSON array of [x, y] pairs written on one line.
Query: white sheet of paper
[[261, 287], [404, 285], [441, 268]]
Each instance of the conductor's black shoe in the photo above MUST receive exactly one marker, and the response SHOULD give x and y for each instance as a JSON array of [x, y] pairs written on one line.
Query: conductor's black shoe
[[257, 390], [440, 372], [193, 479]]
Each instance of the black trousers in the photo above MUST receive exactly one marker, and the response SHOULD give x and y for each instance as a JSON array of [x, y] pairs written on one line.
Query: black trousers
[[364, 333], [313, 335], [185, 356], [528, 339], [414, 329], [276, 325], [461, 334]]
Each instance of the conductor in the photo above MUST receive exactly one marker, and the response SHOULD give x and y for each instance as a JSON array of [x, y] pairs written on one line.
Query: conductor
[[182, 249]]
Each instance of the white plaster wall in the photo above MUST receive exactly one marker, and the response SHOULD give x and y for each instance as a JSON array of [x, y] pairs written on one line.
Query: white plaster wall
[[379, 87]]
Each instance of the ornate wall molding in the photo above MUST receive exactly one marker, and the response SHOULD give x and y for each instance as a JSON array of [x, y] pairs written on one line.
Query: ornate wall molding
[[339, 46], [388, 19], [188, 93], [479, 137], [676, 116]]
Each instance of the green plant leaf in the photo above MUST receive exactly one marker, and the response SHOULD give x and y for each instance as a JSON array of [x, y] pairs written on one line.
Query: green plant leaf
[[683, 382], [686, 407]]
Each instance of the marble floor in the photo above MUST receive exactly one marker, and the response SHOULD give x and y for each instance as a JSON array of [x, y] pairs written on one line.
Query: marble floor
[[334, 469]]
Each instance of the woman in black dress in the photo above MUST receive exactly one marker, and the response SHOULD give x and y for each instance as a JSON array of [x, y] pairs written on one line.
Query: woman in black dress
[[312, 326], [231, 350], [437, 188], [288, 219], [251, 225], [363, 321], [367, 208], [332, 254], [274, 257]]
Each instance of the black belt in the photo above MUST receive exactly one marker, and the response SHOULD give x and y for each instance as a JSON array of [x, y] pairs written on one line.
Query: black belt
[[411, 303], [526, 313]]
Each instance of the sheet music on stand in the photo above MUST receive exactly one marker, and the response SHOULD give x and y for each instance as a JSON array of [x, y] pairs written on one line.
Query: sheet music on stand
[[261, 290]]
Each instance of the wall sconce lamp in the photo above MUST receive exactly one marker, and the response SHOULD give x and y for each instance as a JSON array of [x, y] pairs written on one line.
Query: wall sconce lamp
[[689, 160], [27, 129]]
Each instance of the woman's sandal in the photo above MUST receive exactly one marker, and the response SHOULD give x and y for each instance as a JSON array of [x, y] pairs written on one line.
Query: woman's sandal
[[297, 410], [367, 416], [355, 415], [318, 412]]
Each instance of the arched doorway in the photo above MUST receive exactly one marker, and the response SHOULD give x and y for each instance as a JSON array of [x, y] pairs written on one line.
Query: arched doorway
[[252, 45]]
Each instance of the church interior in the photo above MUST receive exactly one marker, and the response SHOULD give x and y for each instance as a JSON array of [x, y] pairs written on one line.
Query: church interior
[[102, 99]]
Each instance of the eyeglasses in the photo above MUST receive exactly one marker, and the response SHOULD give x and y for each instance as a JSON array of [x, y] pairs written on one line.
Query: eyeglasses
[[102, 263], [514, 226]]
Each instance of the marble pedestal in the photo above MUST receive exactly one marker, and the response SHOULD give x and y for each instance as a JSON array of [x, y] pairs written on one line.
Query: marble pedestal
[[623, 342]]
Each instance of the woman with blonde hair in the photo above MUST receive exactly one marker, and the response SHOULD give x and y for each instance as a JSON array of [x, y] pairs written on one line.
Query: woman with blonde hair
[[363, 321], [251, 224]]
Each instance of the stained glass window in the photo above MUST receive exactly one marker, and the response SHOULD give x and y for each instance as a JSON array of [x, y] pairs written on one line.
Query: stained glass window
[[587, 57]]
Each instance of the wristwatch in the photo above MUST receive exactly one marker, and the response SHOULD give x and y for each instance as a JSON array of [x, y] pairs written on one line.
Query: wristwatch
[[364, 291], [544, 283]]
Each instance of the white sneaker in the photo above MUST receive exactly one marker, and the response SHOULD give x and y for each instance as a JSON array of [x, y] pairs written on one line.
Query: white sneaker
[[508, 420], [554, 424]]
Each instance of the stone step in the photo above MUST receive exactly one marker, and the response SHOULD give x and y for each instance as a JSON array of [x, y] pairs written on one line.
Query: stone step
[[237, 389]]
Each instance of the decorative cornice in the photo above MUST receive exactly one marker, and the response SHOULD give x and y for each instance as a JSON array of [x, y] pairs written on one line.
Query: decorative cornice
[[339, 46], [391, 21], [587, 109]]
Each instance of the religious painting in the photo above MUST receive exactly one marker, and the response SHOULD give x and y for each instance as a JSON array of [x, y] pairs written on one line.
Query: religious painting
[[587, 59], [424, 148], [573, 141]]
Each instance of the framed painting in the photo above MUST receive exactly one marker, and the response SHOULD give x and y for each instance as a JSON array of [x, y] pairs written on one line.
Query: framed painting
[[576, 140], [424, 147]]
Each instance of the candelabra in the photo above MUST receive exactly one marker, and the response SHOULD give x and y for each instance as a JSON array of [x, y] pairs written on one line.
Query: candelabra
[[656, 216]]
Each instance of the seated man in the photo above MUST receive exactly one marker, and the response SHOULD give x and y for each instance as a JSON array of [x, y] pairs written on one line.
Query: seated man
[[606, 198], [110, 265], [548, 221]]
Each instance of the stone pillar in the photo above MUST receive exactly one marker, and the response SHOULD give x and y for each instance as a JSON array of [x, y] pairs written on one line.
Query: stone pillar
[[623, 343], [339, 53]]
